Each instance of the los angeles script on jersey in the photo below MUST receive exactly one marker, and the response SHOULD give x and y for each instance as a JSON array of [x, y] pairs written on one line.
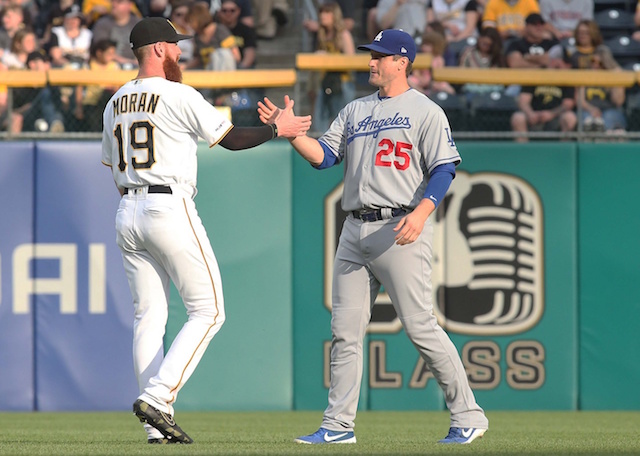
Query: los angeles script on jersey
[[370, 126], [134, 102]]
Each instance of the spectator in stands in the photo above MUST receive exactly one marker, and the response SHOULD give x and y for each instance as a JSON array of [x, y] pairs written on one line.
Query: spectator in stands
[[562, 16], [508, 16], [486, 53], [24, 43], [34, 109], [602, 106], [179, 14], [541, 108], [348, 16], [532, 49], [246, 11], [408, 15], [116, 26], [12, 21], [459, 17], [215, 47], [91, 100], [245, 36], [433, 43], [544, 108], [588, 42], [95, 9], [70, 43], [55, 17], [449, 55], [69, 48], [335, 88], [30, 11], [269, 15]]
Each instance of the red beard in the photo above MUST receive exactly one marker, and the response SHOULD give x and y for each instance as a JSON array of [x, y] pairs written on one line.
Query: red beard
[[172, 70]]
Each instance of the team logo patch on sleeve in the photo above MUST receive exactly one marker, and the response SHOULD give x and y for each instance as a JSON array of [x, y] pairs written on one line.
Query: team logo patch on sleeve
[[449, 138]]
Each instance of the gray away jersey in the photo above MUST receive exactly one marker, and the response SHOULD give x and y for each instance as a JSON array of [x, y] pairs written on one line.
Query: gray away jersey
[[389, 146]]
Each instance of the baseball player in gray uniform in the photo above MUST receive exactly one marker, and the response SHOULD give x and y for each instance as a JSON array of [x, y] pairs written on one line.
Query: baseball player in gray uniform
[[150, 138], [399, 160]]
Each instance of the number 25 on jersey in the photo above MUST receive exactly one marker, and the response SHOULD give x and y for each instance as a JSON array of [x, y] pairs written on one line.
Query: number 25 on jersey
[[391, 154]]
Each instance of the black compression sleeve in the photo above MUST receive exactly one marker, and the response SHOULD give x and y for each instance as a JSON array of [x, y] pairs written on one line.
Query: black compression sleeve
[[245, 137]]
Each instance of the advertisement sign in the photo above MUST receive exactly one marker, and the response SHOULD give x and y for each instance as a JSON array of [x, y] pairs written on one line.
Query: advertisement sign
[[16, 324], [81, 301]]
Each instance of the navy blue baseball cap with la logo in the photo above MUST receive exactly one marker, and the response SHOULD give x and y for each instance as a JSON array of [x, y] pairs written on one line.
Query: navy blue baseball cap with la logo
[[393, 42]]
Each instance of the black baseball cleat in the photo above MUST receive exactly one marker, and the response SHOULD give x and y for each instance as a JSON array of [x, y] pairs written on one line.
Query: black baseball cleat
[[162, 441], [163, 422]]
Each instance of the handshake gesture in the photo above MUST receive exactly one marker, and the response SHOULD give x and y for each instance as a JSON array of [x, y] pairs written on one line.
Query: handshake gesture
[[289, 125]]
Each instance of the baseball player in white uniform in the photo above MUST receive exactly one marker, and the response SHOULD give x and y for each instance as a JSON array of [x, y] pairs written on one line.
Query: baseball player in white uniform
[[150, 137], [399, 160]]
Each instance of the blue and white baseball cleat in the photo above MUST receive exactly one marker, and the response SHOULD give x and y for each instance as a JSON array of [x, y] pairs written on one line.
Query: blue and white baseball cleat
[[462, 436], [323, 435]]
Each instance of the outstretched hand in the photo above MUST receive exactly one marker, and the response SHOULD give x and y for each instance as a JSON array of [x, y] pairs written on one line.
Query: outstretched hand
[[269, 112], [289, 125]]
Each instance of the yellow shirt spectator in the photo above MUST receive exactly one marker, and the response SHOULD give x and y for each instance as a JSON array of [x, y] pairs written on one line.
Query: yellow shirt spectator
[[94, 9], [508, 15]]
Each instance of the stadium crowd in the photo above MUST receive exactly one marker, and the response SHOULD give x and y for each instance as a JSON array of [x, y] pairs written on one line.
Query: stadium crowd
[[583, 34]]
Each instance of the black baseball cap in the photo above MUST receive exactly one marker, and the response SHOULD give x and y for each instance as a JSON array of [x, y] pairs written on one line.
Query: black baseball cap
[[393, 42], [534, 19], [154, 30]]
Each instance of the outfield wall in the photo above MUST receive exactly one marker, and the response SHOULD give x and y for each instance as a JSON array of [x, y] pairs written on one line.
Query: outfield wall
[[555, 331]]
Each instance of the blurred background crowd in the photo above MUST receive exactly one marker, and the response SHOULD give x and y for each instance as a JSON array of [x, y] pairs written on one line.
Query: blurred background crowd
[[248, 34]]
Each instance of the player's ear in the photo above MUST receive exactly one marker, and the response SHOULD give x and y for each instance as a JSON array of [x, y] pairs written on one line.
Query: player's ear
[[158, 48]]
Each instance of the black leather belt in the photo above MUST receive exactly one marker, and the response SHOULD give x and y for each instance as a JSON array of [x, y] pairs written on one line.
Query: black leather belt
[[372, 215], [155, 189]]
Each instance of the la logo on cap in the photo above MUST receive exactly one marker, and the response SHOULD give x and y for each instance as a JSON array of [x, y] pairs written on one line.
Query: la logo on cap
[[378, 37]]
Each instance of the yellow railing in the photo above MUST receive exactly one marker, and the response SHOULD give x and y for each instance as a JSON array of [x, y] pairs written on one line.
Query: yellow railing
[[573, 78], [324, 62], [198, 79]]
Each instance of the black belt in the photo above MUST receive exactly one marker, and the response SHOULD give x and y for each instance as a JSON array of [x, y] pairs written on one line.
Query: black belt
[[155, 189], [372, 215]]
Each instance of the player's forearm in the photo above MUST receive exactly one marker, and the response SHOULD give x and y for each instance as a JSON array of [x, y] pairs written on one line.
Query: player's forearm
[[247, 137], [309, 149], [424, 209]]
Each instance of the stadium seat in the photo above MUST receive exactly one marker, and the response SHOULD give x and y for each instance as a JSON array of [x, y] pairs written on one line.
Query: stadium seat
[[625, 5], [624, 49], [456, 108], [492, 111], [615, 22]]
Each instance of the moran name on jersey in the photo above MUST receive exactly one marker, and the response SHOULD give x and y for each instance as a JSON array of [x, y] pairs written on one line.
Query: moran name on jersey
[[134, 102]]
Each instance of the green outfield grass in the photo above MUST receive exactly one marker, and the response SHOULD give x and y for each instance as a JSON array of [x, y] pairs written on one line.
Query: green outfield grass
[[272, 433]]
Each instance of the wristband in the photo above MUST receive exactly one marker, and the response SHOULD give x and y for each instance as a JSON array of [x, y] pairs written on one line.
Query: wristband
[[274, 131]]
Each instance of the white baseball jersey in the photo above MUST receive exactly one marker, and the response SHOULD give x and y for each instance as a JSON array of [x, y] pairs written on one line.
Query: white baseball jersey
[[137, 153], [389, 146]]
